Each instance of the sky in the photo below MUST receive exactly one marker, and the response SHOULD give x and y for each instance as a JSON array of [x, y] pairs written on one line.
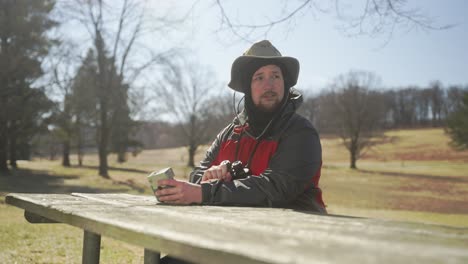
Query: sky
[[408, 57]]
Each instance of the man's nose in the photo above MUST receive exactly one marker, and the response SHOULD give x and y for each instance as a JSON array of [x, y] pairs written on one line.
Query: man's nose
[[268, 83]]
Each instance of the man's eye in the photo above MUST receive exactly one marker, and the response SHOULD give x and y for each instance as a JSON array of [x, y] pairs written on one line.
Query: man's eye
[[258, 78]]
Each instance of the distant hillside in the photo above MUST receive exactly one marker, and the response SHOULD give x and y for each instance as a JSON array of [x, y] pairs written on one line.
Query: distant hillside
[[401, 145]]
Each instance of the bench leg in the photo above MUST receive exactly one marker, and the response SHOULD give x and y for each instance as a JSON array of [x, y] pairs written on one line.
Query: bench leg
[[91, 248], [152, 257]]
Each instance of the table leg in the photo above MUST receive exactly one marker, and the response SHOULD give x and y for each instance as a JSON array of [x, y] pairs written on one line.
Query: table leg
[[151, 257], [91, 248]]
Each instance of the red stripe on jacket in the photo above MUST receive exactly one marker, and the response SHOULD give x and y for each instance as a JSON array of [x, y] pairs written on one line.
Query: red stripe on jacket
[[265, 150]]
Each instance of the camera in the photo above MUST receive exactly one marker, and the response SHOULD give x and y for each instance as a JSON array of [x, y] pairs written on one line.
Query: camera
[[237, 169]]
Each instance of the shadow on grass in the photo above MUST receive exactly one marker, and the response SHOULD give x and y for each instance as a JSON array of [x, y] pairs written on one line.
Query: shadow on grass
[[417, 176], [37, 181], [131, 184], [112, 168]]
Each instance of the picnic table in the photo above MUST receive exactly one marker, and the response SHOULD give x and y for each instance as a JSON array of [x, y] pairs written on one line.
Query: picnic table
[[214, 234]]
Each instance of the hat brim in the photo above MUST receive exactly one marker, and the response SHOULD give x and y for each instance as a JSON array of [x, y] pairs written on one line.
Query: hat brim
[[240, 64]]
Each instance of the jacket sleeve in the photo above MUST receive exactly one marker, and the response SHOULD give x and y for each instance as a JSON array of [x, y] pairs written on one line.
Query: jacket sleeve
[[289, 171], [210, 156]]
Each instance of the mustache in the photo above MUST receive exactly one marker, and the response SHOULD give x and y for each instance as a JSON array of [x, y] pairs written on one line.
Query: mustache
[[269, 93]]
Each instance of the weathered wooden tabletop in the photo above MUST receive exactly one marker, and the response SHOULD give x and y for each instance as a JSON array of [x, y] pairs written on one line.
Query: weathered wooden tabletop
[[211, 234]]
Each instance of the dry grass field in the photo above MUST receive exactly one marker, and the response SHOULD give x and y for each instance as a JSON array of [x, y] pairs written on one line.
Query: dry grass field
[[411, 175]]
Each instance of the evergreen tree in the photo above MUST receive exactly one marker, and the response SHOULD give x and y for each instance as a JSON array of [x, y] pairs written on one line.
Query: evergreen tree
[[121, 125], [457, 125], [23, 44], [84, 104], [86, 107]]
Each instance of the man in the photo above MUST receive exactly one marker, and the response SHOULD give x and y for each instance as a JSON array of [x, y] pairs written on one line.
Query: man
[[279, 149]]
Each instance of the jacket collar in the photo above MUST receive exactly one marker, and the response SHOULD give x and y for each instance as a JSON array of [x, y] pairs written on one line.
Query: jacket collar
[[294, 102]]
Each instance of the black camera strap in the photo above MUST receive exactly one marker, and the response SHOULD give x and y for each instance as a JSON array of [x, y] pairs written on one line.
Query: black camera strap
[[257, 142], [236, 156], [252, 153]]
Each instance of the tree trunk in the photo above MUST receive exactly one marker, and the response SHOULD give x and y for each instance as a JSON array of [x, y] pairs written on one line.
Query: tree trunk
[[12, 151], [66, 153], [80, 158], [3, 151], [103, 139], [191, 151], [79, 142], [4, 86], [353, 161], [103, 167], [353, 155], [80, 151], [52, 151], [121, 154], [3, 134]]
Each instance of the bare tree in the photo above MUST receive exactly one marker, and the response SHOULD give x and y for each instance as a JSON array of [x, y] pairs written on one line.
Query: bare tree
[[184, 94], [436, 102], [309, 108], [115, 32], [357, 110], [61, 64], [370, 17], [220, 111], [406, 106]]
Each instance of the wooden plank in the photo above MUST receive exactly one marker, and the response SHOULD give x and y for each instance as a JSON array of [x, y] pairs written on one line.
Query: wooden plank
[[121, 222], [250, 235], [37, 219]]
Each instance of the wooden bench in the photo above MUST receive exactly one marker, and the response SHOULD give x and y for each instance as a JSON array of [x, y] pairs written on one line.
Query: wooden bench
[[211, 234]]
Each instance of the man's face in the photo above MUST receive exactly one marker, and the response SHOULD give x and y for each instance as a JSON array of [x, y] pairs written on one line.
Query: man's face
[[267, 87]]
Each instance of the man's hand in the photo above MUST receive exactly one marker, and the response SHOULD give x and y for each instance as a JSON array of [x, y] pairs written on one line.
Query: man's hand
[[217, 172], [181, 192]]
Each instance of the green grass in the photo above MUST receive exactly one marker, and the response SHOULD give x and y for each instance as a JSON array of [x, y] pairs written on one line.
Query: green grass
[[53, 243], [413, 175]]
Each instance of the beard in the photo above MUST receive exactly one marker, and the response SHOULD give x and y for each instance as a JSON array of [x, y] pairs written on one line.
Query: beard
[[269, 102]]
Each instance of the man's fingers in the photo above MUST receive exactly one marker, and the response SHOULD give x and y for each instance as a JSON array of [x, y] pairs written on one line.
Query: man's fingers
[[219, 174], [166, 191], [212, 174], [168, 182], [223, 170], [167, 194], [173, 198], [206, 175]]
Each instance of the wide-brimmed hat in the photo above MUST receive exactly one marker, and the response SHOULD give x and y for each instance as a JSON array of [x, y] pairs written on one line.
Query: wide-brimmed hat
[[261, 54]]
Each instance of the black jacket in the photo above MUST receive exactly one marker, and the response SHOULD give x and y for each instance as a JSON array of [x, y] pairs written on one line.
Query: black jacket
[[285, 166]]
